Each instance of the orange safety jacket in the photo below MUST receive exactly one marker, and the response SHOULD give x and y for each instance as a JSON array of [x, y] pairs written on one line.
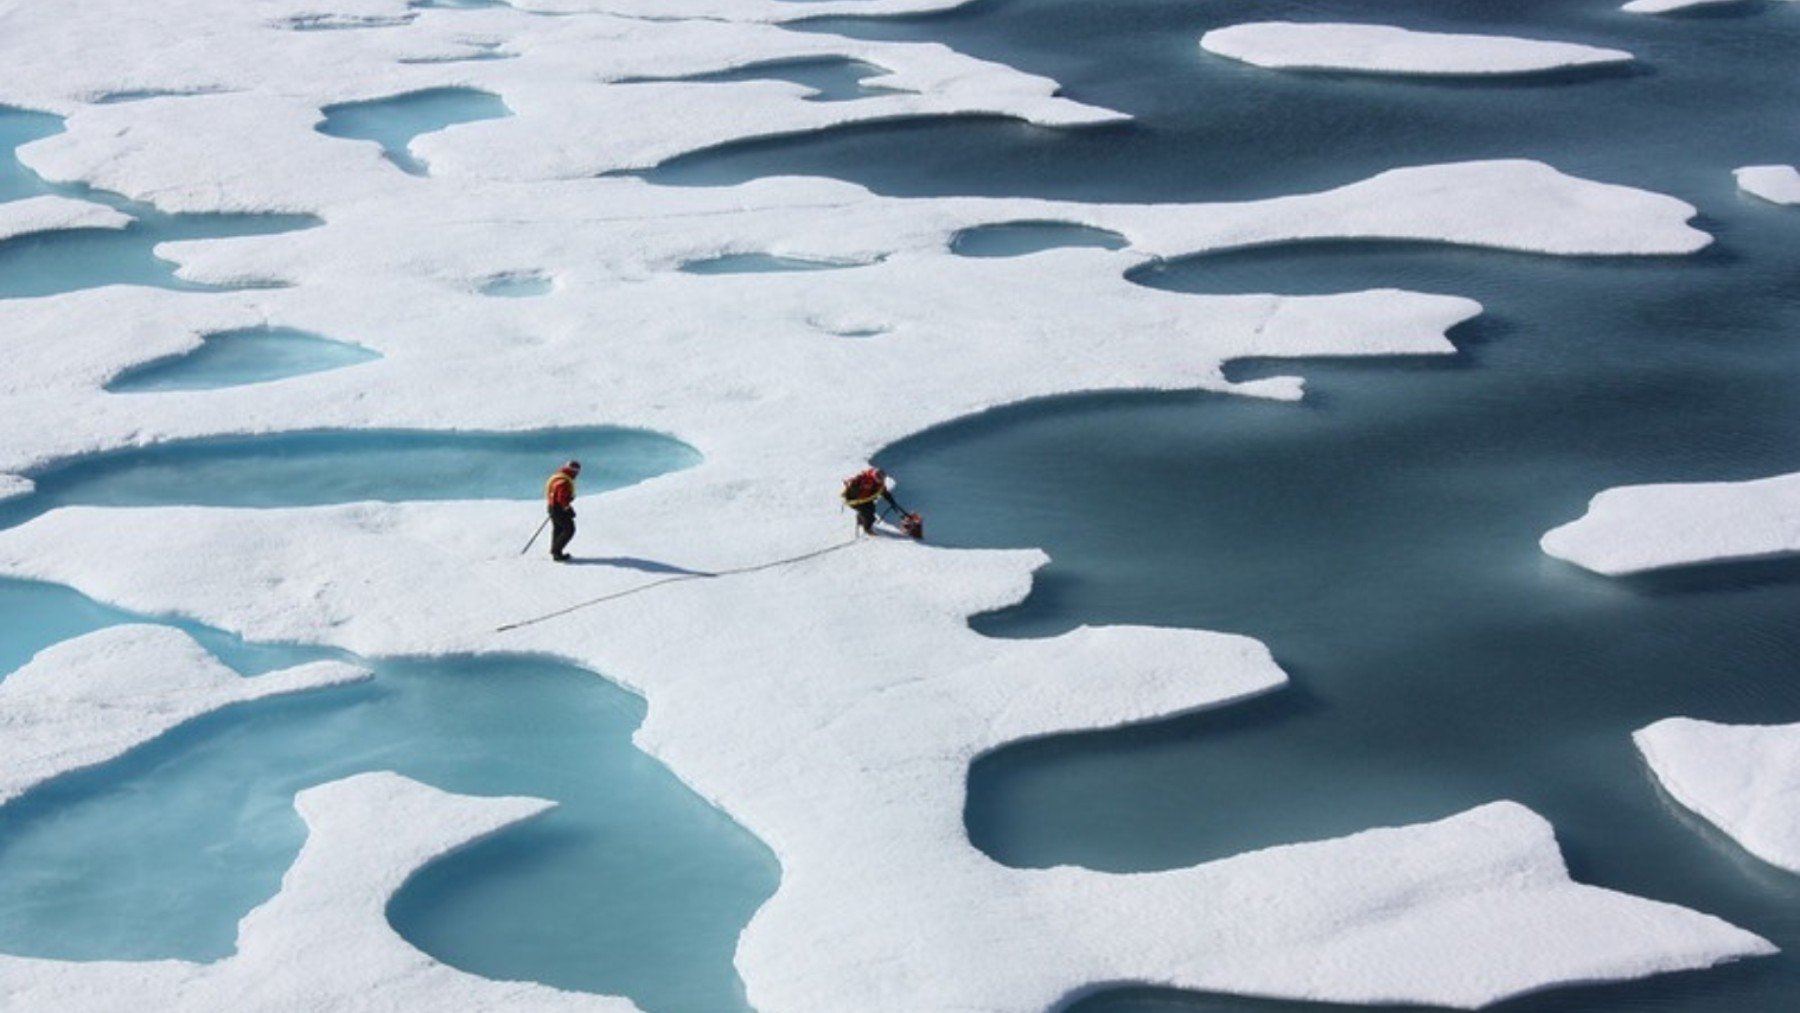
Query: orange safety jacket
[[863, 488], [560, 490]]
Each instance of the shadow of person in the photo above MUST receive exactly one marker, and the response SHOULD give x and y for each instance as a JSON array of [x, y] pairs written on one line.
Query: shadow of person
[[633, 563]]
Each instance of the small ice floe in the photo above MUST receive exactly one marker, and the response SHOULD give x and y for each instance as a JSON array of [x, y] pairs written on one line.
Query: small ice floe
[[15, 487], [1646, 527], [1743, 779], [1778, 184], [324, 941], [1384, 49], [88, 700], [1671, 6], [48, 213]]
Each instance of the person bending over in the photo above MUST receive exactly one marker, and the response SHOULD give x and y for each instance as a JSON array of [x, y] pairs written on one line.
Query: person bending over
[[866, 488]]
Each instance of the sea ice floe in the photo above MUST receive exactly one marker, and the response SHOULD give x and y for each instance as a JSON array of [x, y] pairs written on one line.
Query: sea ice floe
[[15, 487], [52, 214], [573, 116], [88, 700], [1744, 779], [616, 247], [324, 941], [1671, 6], [832, 705], [1646, 527], [1385, 49], [1778, 184]]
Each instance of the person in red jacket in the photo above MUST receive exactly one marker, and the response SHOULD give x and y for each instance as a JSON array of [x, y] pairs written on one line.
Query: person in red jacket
[[559, 499], [871, 485]]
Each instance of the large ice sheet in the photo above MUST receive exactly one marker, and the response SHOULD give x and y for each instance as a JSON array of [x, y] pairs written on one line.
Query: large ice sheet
[[1744, 779], [956, 334], [1647, 527], [324, 941], [1385, 49], [88, 700], [1777, 184], [832, 706]]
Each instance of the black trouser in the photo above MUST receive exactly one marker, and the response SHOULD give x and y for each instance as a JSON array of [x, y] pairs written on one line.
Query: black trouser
[[865, 512], [562, 529]]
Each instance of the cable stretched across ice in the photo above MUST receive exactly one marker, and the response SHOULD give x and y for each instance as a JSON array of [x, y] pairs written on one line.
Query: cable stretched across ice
[[803, 557]]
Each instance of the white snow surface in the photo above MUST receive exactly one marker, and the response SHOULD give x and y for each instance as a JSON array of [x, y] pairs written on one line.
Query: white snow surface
[[87, 700], [1744, 779], [323, 942], [53, 214], [1385, 49], [832, 706], [1634, 528], [1777, 184]]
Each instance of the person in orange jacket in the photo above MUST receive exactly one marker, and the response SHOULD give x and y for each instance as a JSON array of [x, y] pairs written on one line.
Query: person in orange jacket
[[866, 488], [559, 499]]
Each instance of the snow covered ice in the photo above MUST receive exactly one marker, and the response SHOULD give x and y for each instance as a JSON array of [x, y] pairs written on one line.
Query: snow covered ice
[[1384, 49], [832, 707], [52, 214], [1743, 779], [1777, 184], [1634, 528]]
